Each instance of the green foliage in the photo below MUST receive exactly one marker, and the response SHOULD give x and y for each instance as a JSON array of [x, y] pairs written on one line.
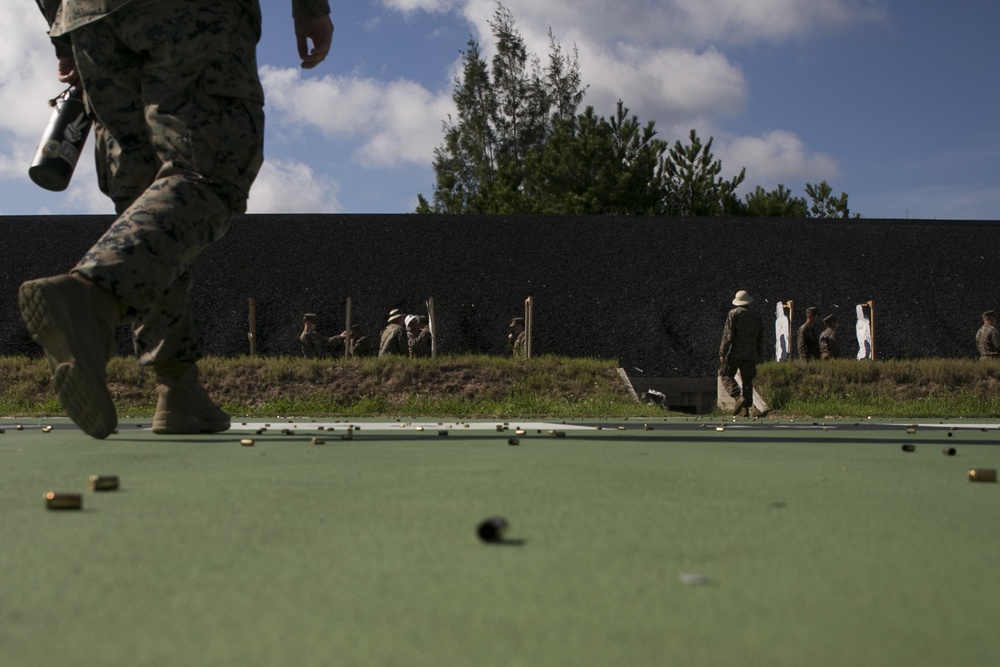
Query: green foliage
[[518, 146], [505, 110], [897, 388], [470, 386], [825, 205], [778, 203], [592, 165], [455, 386], [694, 187]]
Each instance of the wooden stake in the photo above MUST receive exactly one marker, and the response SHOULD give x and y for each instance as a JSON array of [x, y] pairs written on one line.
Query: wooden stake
[[252, 323], [528, 313], [347, 338], [432, 325], [871, 321]]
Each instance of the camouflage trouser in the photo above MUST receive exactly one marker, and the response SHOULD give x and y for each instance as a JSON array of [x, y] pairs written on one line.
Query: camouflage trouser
[[748, 371], [179, 122]]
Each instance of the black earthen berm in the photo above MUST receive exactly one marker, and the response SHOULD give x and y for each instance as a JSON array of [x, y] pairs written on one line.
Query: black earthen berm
[[650, 292]]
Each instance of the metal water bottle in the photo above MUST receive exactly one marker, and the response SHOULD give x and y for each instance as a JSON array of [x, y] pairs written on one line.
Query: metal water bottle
[[62, 141]]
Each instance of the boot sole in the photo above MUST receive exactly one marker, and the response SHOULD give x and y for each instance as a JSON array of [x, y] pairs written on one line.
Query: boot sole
[[178, 424], [81, 389]]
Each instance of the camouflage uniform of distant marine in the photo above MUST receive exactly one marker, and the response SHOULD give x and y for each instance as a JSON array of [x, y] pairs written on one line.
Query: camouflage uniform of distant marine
[[393, 340], [178, 108], [741, 346], [808, 339], [360, 347], [988, 338], [517, 338], [314, 344], [420, 341], [829, 346]]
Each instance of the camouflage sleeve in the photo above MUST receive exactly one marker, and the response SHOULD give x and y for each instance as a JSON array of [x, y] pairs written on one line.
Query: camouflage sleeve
[[49, 8], [727, 337], [303, 9]]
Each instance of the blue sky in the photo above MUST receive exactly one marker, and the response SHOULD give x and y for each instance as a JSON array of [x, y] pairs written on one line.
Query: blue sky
[[892, 101]]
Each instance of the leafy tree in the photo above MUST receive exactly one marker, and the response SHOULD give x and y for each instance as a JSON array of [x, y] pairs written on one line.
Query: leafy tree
[[777, 203], [593, 165], [825, 205], [694, 187], [517, 145], [504, 110]]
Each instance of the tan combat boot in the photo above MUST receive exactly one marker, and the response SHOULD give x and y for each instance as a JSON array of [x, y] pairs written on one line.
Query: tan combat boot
[[182, 404], [74, 320]]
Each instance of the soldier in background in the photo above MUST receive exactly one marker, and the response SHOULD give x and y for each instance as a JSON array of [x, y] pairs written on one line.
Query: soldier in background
[[517, 338], [742, 345], [418, 336], [988, 338], [828, 345], [179, 114], [393, 339], [359, 345], [807, 339], [314, 344]]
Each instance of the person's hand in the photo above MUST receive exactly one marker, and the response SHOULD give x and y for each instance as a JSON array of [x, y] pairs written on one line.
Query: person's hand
[[67, 71], [319, 31]]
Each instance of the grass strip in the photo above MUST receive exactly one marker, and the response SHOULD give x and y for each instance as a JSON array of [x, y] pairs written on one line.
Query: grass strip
[[480, 386]]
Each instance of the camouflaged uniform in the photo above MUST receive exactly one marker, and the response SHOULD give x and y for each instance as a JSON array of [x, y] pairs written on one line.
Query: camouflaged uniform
[[360, 347], [316, 345], [394, 341], [808, 342], [741, 346], [519, 348], [828, 344], [988, 342], [420, 344], [173, 88]]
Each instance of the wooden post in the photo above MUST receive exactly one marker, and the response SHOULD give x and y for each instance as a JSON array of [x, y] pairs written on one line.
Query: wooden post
[[432, 326], [871, 321], [347, 329], [528, 312], [252, 323]]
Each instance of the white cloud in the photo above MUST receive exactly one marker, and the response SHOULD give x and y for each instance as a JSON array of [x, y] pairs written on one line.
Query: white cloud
[[83, 195], [678, 23], [770, 20], [773, 158], [286, 186], [27, 71], [16, 154], [397, 122], [667, 85], [422, 5]]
